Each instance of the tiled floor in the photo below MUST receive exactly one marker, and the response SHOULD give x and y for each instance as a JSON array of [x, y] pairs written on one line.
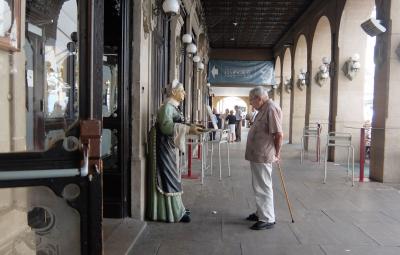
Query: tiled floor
[[332, 218]]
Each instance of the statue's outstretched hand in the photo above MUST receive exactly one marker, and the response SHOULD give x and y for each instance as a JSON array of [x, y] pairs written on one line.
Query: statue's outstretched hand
[[195, 130]]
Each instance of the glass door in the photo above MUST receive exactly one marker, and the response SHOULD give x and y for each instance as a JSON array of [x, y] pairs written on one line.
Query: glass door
[[116, 108], [50, 166]]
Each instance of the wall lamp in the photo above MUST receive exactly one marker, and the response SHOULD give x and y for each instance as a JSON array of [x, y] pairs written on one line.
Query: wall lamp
[[323, 74], [288, 84], [187, 38], [302, 79], [352, 66], [200, 66], [191, 48], [196, 59], [169, 7], [277, 81], [276, 87]]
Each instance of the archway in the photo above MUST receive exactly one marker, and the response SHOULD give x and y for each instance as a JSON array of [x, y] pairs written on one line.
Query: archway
[[277, 87], [286, 89], [299, 89], [320, 88], [230, 102], [352, 85]]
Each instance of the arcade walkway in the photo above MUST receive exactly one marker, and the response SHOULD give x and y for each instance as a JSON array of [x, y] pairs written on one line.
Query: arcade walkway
[[331, 218]]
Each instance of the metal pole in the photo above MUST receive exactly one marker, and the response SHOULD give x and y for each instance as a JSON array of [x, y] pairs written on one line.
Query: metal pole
[[362, 154], [319, 143], [190, 160], [199, 151]]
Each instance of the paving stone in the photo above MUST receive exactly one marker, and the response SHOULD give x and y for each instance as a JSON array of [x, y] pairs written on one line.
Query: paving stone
[[360, 217], [394, 214], [146, 247], [252, 248], [228, 248], [386, 234], [360, 250], [330, 233], [184, 247], [124, 235]]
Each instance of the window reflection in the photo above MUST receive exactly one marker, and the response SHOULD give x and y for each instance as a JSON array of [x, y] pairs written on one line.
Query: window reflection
[[45, 73], [61, 74], [57, 92], [110, 82]]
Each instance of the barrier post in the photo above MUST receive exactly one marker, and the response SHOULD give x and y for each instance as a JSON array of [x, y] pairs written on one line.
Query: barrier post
[[189, 174], [199, 151], [189, 160], [362, 154], [318, 143]]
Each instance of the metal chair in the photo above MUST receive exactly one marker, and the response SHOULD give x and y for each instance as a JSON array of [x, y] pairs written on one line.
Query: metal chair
[[220, 138], [311, 131], [338, 139]]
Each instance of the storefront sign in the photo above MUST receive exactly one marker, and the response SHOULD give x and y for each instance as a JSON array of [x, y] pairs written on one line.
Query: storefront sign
[[241, 72]]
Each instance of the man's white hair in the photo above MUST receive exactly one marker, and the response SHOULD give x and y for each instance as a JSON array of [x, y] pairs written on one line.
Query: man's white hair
[[258, 91]]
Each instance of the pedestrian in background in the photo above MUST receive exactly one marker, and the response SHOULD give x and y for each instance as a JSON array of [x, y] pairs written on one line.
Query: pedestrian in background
[[232, 125], [238, 126]]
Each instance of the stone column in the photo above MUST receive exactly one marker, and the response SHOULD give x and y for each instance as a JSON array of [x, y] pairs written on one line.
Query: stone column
[[385, 149], [299, 92], [188, 76], [175, 47], [285, 99], [286, 81], [350, 93], [140, 104]]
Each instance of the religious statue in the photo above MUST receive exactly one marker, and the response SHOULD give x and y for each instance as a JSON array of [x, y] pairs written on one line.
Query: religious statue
[[166, 143]]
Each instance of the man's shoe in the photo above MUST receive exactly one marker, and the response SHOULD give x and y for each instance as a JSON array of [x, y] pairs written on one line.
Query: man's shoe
[[185, 218], [261, 225], [252, 217]]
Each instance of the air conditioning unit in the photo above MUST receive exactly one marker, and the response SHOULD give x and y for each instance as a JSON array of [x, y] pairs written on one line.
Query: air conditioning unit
[[373, 27]]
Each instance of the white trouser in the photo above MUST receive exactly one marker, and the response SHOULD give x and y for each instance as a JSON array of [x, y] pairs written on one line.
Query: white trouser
[[262, 186]]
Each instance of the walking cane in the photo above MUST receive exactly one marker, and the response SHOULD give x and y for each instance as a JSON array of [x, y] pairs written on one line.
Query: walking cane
[[284, 189]]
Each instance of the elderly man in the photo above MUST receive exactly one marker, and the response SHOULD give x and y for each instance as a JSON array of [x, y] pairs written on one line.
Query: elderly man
[[263, 147]]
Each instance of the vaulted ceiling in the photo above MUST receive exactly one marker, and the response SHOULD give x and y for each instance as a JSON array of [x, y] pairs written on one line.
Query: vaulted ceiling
[[250, 23]]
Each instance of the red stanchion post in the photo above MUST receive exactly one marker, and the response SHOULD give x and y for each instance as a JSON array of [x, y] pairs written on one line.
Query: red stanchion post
[[199, 152], [362, 154], [189, 174], [189, 160]]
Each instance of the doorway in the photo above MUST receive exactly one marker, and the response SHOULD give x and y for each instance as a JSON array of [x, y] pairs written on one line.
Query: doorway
[[116, 108]]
